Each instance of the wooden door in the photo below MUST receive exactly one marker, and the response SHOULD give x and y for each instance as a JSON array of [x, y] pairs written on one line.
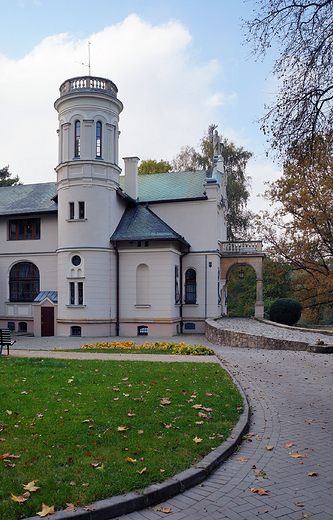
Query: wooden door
[[47, 317]]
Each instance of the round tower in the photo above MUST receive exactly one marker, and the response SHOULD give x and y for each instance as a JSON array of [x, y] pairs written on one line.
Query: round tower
[[88, 207]]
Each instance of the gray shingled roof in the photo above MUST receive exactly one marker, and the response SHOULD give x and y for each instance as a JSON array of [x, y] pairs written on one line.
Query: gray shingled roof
[[51, 295], [28, 198], [140, 223], [172, 185]]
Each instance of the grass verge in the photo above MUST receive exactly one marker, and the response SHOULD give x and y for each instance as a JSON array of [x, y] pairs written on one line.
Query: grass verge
[[87, 430]]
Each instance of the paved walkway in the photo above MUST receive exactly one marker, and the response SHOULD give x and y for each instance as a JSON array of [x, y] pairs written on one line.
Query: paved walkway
[[291, 395]]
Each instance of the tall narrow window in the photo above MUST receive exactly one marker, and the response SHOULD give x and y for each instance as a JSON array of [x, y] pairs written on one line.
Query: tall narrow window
[[23, 282], [177, 294], [190, 286], [80, 293], [77, 150], [81, 210], [72, 293], [98, 139], [71, 211]]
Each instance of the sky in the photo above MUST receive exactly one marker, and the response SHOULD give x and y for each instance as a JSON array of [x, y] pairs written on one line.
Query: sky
[[179, 66]]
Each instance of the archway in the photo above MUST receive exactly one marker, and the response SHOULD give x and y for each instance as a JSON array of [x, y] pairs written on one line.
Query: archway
[[241, 291], [232, 257]]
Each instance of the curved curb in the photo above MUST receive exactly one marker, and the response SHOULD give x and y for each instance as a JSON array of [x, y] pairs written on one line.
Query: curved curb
[[124, 504]]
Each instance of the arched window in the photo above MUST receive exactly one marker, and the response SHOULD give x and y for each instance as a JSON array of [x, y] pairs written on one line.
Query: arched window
[[142, 284], [98, 139], [77, 143], [190, 286], [23, 282]]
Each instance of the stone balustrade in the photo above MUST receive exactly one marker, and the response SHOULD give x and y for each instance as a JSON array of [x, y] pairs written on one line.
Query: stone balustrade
[[250, 247], [90, 83]]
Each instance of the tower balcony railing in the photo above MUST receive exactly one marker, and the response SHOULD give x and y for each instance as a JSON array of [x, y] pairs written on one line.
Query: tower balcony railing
[[249, 247], [88, 83]]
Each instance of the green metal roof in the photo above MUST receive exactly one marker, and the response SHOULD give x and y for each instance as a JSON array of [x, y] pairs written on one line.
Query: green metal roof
[[172, 185], [140, 223], [28, 198]]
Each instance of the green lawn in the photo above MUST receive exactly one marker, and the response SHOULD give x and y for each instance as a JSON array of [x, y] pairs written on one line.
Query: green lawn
[[87, 430]]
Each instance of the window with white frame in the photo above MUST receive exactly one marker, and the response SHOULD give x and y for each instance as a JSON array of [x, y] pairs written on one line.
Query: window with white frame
[[77, 139], [98, 139], [190, 286], [76, 293]]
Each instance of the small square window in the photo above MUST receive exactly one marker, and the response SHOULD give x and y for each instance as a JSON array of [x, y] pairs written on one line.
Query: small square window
[[75, 331], [143, 331]]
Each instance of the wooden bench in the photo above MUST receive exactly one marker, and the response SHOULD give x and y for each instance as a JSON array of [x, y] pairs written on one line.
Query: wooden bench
[[5, 340]]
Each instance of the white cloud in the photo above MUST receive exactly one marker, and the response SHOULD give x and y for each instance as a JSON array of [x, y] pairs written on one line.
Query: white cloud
[[166, 95], [220, 99]]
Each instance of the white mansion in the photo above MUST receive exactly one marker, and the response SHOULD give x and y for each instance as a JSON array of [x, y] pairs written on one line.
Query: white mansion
[[100, 254]]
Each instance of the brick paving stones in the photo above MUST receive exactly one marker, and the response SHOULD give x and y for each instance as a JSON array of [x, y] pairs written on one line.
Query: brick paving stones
[[291, 395]]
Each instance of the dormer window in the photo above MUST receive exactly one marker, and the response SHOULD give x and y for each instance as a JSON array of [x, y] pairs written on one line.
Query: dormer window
[[77, 150], [98, 139]]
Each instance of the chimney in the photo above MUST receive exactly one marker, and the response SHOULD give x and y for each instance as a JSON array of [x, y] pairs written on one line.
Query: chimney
[[131, 176]]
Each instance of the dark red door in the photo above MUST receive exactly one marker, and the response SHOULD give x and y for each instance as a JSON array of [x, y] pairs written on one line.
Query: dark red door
[[47, 315]]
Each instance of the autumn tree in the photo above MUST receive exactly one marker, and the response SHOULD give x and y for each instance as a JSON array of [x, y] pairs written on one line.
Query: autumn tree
[[150, 166], [6, 178], [238, 184], [300, 229], [303, 34]]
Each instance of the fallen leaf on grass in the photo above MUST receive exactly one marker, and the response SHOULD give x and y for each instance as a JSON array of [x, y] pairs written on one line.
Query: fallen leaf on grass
[[9, 412], [4, 456], [242, 459], [130, 460], [140, 432], [30, 486], [297, 455], [313, 474], [197, 406], [121, 428], [260, 491], [289, 444], [20, 499], [70, 507], [72, 483], [142, 471], [101, 467], [197, 440], [165, 401], [299, 504], [85, 485], [46, 510]]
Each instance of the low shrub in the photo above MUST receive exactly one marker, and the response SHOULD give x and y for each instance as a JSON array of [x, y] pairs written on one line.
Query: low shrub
[[286, 311]]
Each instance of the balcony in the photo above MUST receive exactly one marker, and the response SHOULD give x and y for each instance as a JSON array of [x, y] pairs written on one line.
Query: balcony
[[250, 247], [88, 83]]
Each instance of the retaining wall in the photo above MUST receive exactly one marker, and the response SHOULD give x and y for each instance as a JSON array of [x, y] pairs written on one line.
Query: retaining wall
[[215, 333]]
